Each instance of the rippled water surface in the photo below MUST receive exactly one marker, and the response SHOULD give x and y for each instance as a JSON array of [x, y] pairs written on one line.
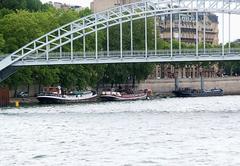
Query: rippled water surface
[[164, 132]]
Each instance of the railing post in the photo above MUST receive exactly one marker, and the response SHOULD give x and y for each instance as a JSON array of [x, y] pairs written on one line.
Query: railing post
[[204, 33], [155, 31], [84, 40], [229, 29], [96, 37], [71, 43], [47, 49], [171, 32], [60, 49], [108, 34], [22, 52], [35, 45], [179, 33], [131, 27], [197, 33], [146, 35], [121, 34], [223, 30]]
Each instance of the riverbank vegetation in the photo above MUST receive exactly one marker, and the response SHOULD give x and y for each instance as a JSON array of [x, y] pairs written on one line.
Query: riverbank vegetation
[[25, 20]]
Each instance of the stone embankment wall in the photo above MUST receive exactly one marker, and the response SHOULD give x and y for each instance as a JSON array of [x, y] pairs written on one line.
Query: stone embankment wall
[[230, 85]]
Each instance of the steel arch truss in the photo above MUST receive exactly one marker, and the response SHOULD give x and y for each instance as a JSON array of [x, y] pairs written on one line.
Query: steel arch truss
[[40, 51]]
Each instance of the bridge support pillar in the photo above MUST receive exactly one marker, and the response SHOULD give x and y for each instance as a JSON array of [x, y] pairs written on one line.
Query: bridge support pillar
[[193, 71], [180, 72], [202, 81], [176, 81], [184, 72]]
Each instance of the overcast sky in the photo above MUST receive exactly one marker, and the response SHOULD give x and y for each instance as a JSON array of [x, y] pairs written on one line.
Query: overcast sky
[[235, 20]]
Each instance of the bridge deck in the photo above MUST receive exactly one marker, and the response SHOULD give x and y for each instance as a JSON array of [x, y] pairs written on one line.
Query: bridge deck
[[128, 57]]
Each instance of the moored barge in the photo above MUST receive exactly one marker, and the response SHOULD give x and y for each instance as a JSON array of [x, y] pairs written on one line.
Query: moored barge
[[189, 92], [123, 96]]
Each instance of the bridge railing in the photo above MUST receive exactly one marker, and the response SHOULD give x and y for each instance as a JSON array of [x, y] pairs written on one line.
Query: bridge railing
[[133, 54]]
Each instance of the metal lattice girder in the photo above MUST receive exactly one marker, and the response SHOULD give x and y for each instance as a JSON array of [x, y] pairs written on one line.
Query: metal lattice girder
[[59, 37]]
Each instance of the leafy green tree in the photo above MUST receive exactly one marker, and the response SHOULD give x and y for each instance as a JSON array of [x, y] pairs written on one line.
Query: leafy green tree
[[17, 30], [22, 77], [67, 76], [2, 43], [13, 4], [116, 74], [4, 12], [20, 28], [84, 12], [139, 71], [32, 5], [46, 7], [80, 76], [45, 76]]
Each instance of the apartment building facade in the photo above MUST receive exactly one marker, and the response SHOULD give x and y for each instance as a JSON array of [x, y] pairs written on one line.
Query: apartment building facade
[[188, 27]]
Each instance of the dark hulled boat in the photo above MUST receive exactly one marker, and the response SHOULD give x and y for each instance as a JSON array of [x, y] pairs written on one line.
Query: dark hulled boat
[[50, 98], [189, 92]]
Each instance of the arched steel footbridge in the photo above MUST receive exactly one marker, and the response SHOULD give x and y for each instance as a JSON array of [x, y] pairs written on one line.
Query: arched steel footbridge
[[48, 49]]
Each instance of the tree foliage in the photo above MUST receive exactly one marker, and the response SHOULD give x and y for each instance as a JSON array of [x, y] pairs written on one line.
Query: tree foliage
[[2, 43], [32, 5]]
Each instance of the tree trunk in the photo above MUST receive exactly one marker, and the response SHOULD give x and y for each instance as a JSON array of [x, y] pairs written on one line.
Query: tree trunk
[[133, 81], [28, 89], [15, 91], [97, 87], [231, 71], [39, 88]]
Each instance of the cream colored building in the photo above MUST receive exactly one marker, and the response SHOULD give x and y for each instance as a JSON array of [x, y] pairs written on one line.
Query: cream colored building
[[188, 28], [100, 5]]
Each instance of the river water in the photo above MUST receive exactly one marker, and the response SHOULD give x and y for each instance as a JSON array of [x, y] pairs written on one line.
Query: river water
[[163, 132]]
